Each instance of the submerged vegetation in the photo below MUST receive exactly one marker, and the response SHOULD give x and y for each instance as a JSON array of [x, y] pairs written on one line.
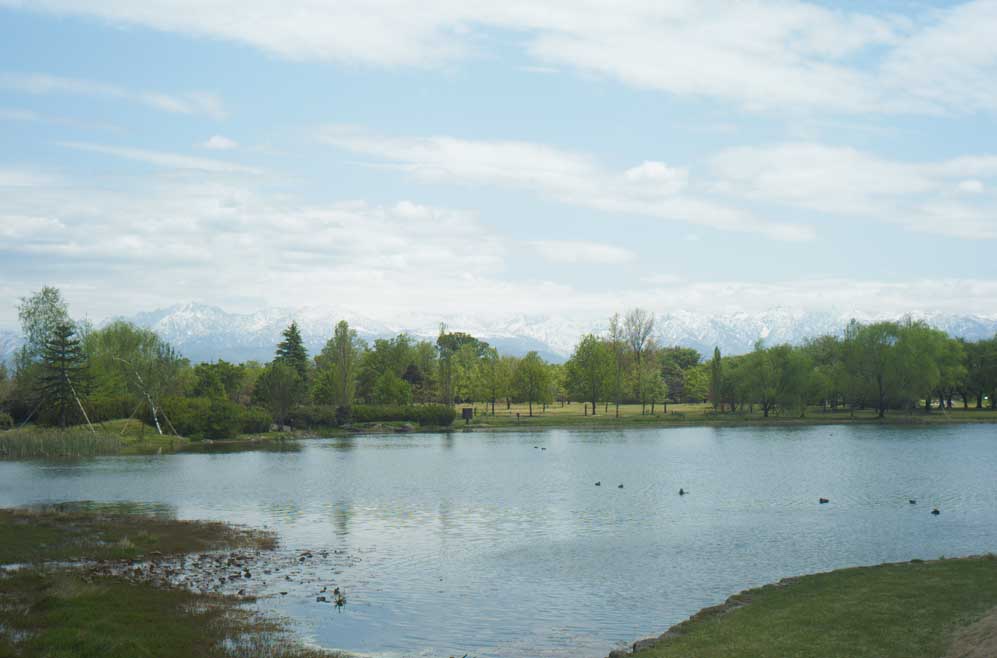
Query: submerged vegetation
[[93, 380], [940, 608]]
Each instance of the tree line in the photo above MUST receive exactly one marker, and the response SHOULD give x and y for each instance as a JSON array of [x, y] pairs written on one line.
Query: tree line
[[69, 372]]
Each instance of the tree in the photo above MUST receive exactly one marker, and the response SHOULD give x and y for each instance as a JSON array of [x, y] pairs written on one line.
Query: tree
[[531, 381], [638, 327], [716, 379], [651, 386], [676, 362], [63, 373], [493, 378], [278, 389], [589, 370], [339, 364], [391, 389], [40, 315], [617, 344], [291, 351]]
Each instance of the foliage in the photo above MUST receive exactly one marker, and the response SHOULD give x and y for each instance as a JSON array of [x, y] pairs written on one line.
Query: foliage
[[589, 370], [204, 418], [531, 381], [63, 375], [6, 422], [255, 420], [291, 351], [319, 416], [278, 389]]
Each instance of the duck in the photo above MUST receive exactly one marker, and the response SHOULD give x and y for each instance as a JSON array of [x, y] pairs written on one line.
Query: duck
[[823, 501], [619, 486], [682, 492], [912, 501], [935, 512], [599, 483]]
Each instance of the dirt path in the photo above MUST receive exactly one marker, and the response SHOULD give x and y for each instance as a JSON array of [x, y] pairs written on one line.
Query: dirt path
[[978, 640]]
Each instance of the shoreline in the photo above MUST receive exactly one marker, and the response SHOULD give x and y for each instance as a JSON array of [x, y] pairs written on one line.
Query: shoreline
[[808, 602]]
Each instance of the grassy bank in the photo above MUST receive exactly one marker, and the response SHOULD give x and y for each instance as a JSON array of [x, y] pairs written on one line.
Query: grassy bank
[[935, 609], [574, 416], [61, 611]]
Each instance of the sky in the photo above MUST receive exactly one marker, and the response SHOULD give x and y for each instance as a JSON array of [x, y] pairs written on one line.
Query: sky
[[525, 157]]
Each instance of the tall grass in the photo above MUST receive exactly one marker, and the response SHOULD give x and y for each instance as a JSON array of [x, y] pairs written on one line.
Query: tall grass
[[37, 442]]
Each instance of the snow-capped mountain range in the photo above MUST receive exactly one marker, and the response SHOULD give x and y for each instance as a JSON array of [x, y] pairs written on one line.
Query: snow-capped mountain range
[[203, 333]]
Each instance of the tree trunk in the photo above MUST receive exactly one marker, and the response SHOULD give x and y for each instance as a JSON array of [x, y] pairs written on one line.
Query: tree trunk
[[531, 408]]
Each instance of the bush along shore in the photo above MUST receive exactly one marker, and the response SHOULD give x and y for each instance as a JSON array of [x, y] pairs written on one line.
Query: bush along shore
[[114, 581], [945, 608]]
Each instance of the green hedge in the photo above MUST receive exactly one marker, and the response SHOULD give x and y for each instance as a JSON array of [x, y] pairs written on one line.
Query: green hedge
[[6, 422], [436, 415], [110, 408]]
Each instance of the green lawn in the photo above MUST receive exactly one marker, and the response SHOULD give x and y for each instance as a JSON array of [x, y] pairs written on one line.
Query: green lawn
[[908, 610], [575, 415]]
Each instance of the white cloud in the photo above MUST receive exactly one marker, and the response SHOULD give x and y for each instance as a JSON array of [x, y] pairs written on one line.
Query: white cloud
[[844, 181], [161, 159], [219, 143], [195, 103], [773, 55], [971, 186], [651, 189], [569, 252]]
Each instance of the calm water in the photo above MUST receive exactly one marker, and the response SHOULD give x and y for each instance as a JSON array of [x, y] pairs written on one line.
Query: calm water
[[482, 544]]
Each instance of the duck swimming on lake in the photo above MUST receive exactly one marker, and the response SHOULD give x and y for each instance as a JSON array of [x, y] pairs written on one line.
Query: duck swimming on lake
[[599, 483], [620, 486], [935, 511], [823, 501], [912, 501], [682, 492]]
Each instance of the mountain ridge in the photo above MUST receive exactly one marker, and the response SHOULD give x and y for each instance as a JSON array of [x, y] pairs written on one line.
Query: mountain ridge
[[204, 332]]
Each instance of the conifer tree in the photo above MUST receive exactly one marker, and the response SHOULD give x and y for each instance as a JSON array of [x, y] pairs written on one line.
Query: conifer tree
[[291, 351], [716, 379], [63, 372]]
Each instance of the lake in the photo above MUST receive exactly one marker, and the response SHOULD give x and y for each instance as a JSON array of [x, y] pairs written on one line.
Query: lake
[[499, 544]]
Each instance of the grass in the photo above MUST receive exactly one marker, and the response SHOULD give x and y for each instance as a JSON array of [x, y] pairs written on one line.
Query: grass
[[60, 614], [57, 611], [573, 415], [906, 610], [110, 532], [116, 437]]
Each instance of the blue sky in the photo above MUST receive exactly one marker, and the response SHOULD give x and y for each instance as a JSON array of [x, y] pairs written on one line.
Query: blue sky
[[393, 157]]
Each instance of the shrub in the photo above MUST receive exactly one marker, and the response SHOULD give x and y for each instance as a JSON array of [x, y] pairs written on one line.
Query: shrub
[[101, 408], [256, 420], [317, 416], [424, 414], [204, 418], [6, 422]]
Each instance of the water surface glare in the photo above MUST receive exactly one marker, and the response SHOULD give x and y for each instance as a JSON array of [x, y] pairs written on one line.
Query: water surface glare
[[481, 543]]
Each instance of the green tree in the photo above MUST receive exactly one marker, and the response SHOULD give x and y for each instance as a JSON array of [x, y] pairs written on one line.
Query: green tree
[[531, 380], [339, 366], [40, 315], [637, 328], [389, 388], [589, 370], [63, 374], [492, 377], [716, 380], [617, 342], [291, 351], [278, 390]]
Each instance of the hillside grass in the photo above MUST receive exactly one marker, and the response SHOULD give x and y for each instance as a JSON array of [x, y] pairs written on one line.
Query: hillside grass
[[906, 610]]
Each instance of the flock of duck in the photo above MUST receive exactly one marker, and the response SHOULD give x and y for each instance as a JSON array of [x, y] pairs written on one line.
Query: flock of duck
[[823, 501]]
